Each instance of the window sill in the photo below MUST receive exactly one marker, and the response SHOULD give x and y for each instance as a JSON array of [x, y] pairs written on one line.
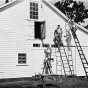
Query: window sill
[[22, 65], [30, 19]]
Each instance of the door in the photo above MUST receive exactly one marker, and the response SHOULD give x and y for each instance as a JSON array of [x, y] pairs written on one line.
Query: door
[[39, 30]]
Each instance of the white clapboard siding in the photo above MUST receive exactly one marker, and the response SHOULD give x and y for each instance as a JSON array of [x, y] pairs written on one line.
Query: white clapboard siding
[[14, 35]]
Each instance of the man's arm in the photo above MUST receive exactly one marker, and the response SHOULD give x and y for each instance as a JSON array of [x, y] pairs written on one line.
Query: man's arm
[[55, 32]]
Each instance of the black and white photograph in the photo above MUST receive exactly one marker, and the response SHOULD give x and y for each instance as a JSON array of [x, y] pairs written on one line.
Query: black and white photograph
[[43, 43]]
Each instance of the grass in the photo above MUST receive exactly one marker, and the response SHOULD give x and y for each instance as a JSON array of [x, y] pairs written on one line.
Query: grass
[[31, 83]]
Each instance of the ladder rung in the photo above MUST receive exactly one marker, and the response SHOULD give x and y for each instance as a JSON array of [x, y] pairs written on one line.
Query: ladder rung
[[66, 67], [56, 51], [67, 71], [85, 67], [79, 47], [57, 56], [59, 65], [76, 42], [80, 50], [66, 63], [64, 59], [62, 49], [83, 58], [84, 63], [62, 53], [59, 61], [70, 60], [69, 55], [63, 56], [71, 65], [82, 54], [59, 70]]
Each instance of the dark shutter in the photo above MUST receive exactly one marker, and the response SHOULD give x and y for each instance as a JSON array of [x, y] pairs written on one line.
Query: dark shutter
[[39, 30]]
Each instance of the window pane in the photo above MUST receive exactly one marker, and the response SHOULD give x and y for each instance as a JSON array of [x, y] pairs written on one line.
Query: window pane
[[33, 4], [30, 4], [36, 13], [36, 17], [36, 5], [31, 16], [31, 13], [31, 8]]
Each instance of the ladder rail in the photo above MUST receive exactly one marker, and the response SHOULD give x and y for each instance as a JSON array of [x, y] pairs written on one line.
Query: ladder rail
[[58, 64], [67, 61], [63, 64], [71, 60]]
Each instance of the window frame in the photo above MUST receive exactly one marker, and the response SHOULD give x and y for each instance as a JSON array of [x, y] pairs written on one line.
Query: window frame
[[43, 31], [34, 10], [22, 58]]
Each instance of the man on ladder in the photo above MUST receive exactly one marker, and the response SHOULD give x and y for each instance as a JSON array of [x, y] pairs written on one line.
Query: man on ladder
[[58, 36], [68, 39], [47, 61]]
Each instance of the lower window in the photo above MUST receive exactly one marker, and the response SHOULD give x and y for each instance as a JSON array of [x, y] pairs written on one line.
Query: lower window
[[22, 58]]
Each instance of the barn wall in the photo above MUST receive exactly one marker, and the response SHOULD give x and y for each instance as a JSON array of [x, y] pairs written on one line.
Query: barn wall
[[14, 35]]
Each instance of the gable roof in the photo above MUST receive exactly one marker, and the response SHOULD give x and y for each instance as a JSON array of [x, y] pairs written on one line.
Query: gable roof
[[10, 4], [63, 16]]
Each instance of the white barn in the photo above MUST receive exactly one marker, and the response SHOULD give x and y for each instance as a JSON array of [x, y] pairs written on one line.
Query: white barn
[[19, 56]]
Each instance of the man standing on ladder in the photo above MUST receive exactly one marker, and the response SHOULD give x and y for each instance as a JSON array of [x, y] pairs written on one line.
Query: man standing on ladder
[[68, 39], [47, 61], [58, 36]]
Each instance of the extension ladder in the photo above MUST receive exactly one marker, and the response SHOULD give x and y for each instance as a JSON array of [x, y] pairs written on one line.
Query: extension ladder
[[80, 51]]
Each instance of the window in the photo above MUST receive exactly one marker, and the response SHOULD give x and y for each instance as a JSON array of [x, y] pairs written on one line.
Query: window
[[54, 46], [21, 58], [33, 10], [40, 30], [45, 45], [36, 45]]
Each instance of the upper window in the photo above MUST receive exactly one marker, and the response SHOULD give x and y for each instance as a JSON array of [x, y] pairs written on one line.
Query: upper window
[[21, 58], [33, 10]]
